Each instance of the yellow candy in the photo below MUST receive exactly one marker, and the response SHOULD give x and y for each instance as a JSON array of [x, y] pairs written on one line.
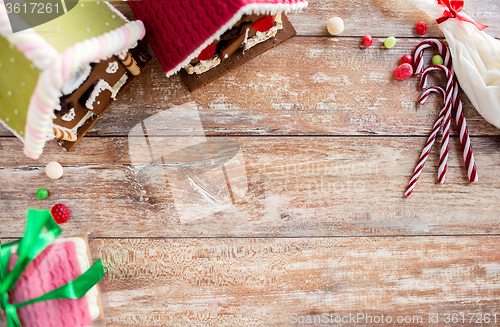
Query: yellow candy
[[390, 42]]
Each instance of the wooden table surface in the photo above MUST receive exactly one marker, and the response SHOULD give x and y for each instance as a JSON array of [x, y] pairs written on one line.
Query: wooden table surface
[[279, 199]]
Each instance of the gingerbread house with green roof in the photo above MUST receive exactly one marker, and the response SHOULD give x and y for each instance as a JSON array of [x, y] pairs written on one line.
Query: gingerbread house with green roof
[[59, 77]]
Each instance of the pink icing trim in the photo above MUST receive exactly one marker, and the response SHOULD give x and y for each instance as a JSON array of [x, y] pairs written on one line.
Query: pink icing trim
[[38, 103], [57, 79], [102, 47], [34, 133], [30, 155], [66, 63], [27, 46], [125, 31]]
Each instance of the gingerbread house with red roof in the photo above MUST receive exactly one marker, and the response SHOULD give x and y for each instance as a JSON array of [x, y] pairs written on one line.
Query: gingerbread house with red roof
[[203, 39]]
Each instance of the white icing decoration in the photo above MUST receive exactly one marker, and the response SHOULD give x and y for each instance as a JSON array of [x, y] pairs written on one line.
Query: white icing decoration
[[74, 130], [9, 93], [98, 88], [76, 79], [12, 59], [264, 36], [16, 112], [112, 67], [247, 43], [88, 29], [118, 85], [70, 115], [203, 65]]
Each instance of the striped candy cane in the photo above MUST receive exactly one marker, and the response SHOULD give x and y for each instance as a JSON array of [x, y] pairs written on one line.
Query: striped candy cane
[[430, 141], [431, 43], [443, 157], [470, 164], [456, 105]]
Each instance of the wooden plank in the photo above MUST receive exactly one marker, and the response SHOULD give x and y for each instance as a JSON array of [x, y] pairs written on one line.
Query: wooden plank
[[376, 17], [305, 86], [293, 186], [273, 282]]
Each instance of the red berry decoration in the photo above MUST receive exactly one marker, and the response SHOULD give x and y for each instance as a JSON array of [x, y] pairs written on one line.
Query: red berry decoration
[[367, 40], [421, 28], [60, 213], [404, 71], [208, 52], [407, 59], [264, 24]]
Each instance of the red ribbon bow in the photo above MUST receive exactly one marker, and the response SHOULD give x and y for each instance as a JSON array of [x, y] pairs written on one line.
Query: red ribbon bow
[[454, 7]]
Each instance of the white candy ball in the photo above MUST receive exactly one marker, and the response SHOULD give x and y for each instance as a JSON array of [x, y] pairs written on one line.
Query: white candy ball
[[54, 170], [335, 25]]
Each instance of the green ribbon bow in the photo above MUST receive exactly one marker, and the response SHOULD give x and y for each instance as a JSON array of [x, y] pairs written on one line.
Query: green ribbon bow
[[32, 244]]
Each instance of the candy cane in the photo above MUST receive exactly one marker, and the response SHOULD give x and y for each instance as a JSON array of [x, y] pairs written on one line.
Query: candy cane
[[431, 43], [430, 141], [470, 164], [457, 103], [443, 157]]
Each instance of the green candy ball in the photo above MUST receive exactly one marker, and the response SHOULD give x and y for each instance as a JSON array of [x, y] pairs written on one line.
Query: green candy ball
[[390, 42], [437, 60], [42, 193]]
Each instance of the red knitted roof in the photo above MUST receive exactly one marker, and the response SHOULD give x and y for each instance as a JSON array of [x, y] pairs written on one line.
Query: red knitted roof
[[179, 30]]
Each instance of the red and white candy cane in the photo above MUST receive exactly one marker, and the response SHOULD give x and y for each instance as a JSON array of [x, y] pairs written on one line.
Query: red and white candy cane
[[470, 164], [457, 103], [443, 156], [430, 141], [431, 43]]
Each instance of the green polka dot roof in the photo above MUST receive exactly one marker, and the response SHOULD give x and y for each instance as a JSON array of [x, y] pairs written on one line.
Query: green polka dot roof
[[18, 78], [84, 21]]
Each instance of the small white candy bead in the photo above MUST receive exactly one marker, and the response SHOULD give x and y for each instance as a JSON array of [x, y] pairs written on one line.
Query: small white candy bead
[[54, 170], [335, 25]]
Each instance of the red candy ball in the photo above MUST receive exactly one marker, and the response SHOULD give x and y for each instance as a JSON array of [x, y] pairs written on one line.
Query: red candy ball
[[407, 59], [367, 40], [264, 24], [421, 28], [208, 52], [404, 71], [60, 213]]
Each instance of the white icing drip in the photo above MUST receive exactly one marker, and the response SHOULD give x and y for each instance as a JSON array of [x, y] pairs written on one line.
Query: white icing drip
[[76, 79], [116, 88], [246, 36], [203, 65], [84, 263], [253, 8], [98, 88]]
